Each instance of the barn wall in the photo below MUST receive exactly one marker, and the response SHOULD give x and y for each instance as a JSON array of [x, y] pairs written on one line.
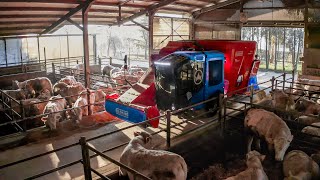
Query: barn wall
[[169, 29]]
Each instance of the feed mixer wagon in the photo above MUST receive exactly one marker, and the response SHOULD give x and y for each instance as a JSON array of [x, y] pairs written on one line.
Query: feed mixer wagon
[[185, 73]]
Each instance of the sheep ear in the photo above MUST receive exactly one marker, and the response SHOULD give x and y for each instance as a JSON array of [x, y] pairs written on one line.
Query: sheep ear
[[148, 139], [262, 157], [136, 133], [44, 118]]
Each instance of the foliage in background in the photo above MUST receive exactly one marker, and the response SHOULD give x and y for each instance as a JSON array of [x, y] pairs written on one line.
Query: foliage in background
[[278, 48]]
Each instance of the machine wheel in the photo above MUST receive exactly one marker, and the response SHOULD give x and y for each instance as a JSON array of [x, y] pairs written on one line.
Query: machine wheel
[[212, 106]]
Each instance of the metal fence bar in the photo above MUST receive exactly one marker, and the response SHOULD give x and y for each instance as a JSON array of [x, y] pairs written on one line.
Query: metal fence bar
[[168, 118], [85, 158], [118, 163]]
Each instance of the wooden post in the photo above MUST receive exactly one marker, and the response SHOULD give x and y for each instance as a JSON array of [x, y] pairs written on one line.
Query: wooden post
[[110, 60], [168, 117], [99, 58], [85, 158]]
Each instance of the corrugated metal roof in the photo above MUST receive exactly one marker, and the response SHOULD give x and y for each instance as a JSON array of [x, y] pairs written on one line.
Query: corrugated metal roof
[[19, 17]]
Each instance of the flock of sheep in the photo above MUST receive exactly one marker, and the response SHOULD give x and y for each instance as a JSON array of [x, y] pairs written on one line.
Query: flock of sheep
[[39, 97]]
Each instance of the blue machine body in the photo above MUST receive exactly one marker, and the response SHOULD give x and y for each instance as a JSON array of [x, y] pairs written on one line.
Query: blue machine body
[[205, 66]]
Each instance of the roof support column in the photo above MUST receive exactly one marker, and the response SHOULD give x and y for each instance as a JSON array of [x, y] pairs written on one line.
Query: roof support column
[[86, 45], [151, 16]]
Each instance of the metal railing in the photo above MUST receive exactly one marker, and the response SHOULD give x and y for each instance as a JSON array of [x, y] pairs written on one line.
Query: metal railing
[[86, 162]]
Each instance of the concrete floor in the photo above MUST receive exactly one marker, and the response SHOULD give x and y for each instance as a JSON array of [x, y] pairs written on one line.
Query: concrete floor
[[45, 163]]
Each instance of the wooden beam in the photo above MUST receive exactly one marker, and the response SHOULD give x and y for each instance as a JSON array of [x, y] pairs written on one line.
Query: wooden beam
[[24, 22], [18, 33], [141, 25], [150, 8], [34, 16], [35, 9], [65, 17], [214, 7], [21, 28], [75, 24]]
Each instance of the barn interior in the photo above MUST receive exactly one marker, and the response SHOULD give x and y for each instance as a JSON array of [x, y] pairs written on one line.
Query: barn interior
[[101, 60]]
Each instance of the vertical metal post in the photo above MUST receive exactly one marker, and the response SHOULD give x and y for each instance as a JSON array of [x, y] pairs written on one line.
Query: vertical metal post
[[21, 60], [129, 60], [11, 110], [220, 110], [99, 58], [64, 62], [267, 60], [251, 94], [45, 58], [224, 114], [294, 59], [5, 52], [89, 103], [68, 49], [86, 46], [168, 117], [23, 115], [110, 60], [38, 42], [272, 83], [292, 80], [54, 72], [284, 47], [85, 158], [151, 15], [284, 81], [95, 48], [306, 24]]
